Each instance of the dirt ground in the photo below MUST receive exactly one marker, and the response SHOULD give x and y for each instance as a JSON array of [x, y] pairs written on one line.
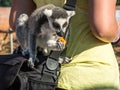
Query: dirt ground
[[5, 43]]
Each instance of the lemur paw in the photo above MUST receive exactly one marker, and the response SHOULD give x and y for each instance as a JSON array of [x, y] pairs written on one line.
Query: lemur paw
[[61, 46]]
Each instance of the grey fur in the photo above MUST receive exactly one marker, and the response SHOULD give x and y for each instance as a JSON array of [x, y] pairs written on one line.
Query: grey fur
[[38, 31]]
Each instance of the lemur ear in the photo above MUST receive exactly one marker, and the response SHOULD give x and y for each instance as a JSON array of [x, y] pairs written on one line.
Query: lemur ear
[[70, 13], [48, 12]]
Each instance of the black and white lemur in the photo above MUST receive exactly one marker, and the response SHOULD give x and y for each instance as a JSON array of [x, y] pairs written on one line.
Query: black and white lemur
[[41, 30]]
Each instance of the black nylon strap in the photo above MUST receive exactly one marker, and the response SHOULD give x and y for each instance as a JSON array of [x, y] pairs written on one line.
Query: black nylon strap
[[51, 69], [52, 63], [70, 5]]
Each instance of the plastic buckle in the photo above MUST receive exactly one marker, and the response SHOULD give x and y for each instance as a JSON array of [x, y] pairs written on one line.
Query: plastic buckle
[[52, 64]]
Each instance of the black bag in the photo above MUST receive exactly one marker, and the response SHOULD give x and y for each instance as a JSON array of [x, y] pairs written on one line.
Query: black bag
[[9, 68], [16, 75]]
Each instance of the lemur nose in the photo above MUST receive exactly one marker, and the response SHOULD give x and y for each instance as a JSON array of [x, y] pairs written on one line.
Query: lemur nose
[[60, 33]]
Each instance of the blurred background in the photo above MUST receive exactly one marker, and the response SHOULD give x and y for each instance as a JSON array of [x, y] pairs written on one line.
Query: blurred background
[[5, 3], [118, 2], [7, 37]]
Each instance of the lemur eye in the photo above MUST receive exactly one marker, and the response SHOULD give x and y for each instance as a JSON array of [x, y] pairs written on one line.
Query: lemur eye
[[56, 25], [64, 25]]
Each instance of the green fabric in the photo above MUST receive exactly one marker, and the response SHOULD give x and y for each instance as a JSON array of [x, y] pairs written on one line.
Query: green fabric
[[93, 62]]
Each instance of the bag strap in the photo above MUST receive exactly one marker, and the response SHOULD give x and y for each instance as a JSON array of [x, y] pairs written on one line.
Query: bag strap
[[9, 67], [52, 62], [52, 66], [70, 5]]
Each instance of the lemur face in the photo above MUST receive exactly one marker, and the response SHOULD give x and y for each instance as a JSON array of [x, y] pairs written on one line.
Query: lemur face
[[58, 18], [60, 24], [50, 39]]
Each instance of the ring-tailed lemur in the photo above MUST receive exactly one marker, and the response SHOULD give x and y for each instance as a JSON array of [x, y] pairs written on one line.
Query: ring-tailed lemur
[[41, 30]]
